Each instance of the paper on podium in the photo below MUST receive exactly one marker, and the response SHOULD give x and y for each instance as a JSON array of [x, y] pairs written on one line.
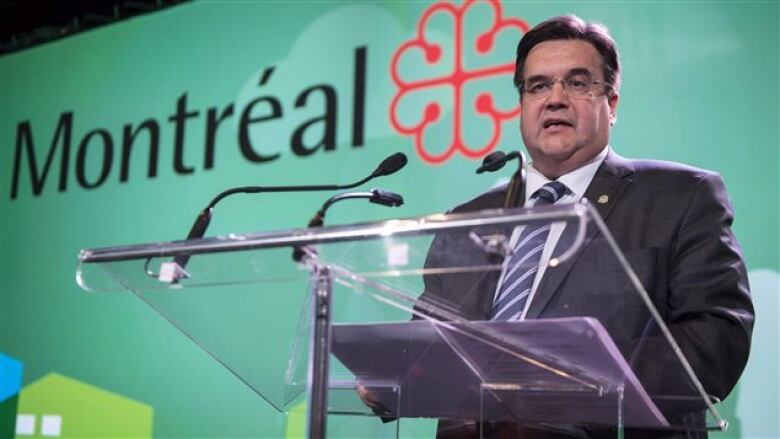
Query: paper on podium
[[565, 371]]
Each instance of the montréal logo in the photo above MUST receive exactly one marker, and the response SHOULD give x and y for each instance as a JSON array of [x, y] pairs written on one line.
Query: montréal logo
[[454, 80]]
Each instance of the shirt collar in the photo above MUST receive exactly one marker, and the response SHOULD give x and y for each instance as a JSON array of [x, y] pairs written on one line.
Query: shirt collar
[[577, 180]]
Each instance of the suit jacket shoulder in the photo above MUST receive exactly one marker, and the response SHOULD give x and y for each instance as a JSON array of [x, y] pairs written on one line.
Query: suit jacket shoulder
[[491, 199]]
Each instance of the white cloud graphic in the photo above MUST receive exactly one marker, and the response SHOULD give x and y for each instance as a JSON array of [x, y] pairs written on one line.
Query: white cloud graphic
[[758, 408]]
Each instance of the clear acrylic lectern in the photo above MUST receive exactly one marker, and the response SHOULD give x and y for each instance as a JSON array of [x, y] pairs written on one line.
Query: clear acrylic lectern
[[389, 320]]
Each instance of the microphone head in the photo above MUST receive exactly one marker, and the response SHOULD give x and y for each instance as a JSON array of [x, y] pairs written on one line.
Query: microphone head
[[391, 165], [493, 162], [386, 198]]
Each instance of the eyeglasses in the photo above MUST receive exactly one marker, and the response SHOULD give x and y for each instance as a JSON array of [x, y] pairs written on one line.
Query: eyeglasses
[[574, 87]]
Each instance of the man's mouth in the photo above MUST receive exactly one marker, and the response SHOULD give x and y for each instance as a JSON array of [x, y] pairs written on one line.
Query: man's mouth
[[556, 123]]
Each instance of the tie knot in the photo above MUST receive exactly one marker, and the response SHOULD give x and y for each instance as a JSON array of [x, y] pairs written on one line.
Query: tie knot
[[550, 193]]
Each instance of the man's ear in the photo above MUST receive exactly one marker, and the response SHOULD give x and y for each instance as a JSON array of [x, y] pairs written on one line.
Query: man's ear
[[613, 100]]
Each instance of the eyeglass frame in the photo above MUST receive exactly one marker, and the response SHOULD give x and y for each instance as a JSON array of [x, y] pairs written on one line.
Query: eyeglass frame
[[593, 82]]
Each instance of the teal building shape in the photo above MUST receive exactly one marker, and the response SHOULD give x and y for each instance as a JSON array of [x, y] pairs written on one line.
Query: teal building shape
[[10, 377]]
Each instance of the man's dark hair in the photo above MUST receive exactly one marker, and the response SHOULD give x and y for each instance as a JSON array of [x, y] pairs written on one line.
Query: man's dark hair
[[571, 27]]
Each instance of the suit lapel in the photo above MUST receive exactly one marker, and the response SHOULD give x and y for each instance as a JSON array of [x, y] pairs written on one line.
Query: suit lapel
[[474, 303], [604, 192]]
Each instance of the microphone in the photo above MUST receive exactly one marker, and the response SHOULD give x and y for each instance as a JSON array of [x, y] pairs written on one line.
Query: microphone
[[496, 160], [515, 194], [389, 165], [376, 196]]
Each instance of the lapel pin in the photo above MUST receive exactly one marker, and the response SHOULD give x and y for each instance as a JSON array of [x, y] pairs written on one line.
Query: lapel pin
[[603, 199]]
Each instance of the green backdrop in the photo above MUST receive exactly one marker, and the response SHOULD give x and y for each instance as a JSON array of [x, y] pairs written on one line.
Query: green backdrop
[[306, 88]]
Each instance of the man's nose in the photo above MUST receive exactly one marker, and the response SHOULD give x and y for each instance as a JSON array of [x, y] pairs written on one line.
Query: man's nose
[[558, 97]]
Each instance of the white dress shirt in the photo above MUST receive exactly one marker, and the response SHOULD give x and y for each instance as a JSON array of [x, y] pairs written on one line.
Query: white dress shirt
[[577, 181]]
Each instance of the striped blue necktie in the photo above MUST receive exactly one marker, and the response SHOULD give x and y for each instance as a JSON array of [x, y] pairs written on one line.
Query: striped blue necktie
[[524, 262]]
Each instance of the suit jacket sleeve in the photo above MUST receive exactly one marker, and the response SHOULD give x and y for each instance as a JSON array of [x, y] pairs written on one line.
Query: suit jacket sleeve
[[710, 313]]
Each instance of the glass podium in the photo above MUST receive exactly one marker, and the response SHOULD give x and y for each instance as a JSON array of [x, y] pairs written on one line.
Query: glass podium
[[390, 320]]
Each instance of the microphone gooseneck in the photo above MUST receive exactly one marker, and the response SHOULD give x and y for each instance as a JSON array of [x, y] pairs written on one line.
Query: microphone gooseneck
[[389, 165], [376, 196], [515, 194]]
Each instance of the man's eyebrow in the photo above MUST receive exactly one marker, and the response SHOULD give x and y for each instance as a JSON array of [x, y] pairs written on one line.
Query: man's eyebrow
[[573, 72], [579, 71], [535, 78]]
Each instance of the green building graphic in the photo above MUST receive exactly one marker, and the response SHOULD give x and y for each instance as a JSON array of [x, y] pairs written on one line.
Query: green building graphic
[[58, 406]]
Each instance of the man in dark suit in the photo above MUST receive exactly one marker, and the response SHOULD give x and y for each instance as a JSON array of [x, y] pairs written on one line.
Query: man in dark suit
[[673, 223]]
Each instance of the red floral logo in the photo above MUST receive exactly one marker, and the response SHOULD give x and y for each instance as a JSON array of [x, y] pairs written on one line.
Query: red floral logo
[[454, 80]]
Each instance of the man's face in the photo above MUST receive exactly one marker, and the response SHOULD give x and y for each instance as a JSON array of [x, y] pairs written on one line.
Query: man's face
[[562, 132]]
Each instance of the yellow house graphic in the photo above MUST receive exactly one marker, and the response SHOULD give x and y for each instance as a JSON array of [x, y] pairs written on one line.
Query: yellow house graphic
[[58, 406]]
